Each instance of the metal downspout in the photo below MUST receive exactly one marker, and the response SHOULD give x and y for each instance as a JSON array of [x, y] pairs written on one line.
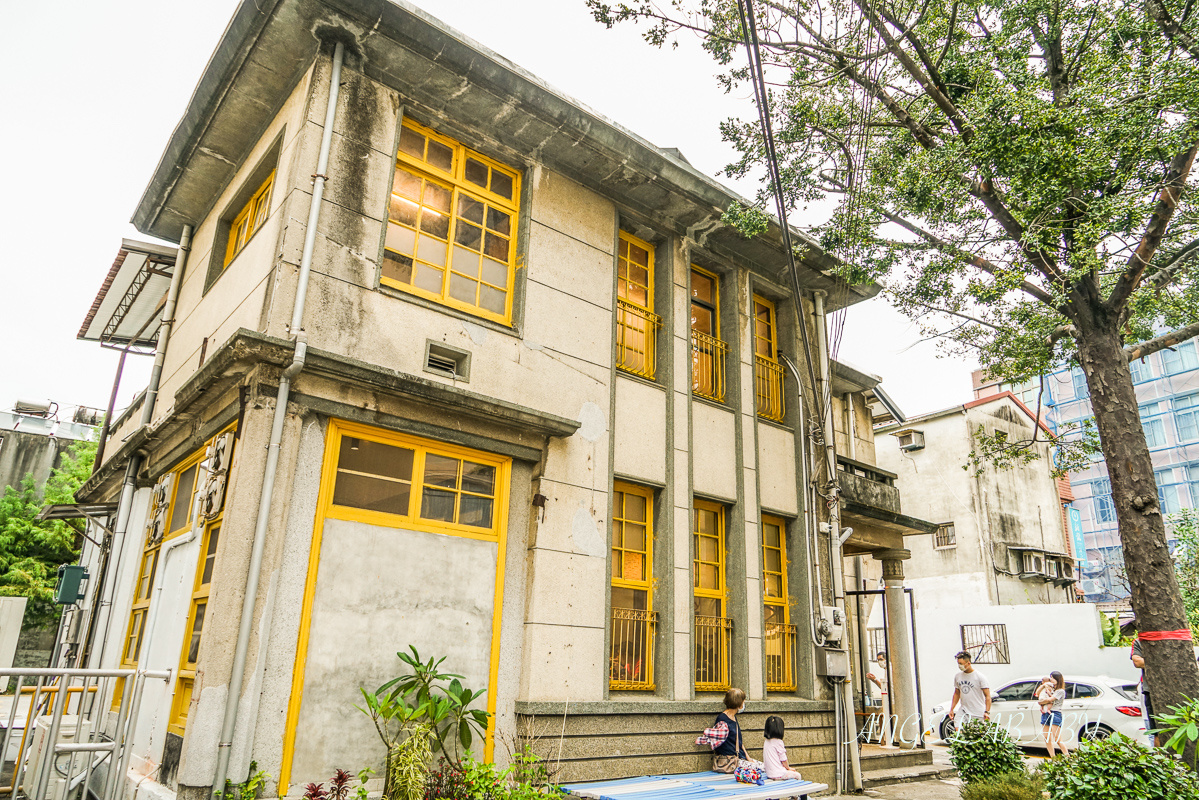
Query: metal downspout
[[249, 598], [835, 539], [129, 486]]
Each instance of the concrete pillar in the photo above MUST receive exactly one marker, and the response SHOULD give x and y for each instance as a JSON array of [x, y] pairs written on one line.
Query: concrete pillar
[[899, 643]]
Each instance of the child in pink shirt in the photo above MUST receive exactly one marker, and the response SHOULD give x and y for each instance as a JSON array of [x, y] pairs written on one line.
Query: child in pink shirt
[[774, 753]]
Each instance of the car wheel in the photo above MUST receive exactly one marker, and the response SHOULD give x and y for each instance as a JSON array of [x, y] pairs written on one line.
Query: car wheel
[[947, 728], [1094, 732]]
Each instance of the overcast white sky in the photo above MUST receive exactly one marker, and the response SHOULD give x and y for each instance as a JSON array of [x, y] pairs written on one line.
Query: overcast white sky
[[92, 90]]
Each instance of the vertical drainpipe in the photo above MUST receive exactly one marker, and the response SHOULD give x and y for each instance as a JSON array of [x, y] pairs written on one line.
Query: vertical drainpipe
[[249, 598], [129, 485], [830, 447]]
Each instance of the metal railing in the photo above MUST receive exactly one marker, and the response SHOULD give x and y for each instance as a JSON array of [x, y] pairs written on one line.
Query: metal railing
[[708, 355], [780, 657], [636, 339], [768, 387], [713, 640], [59, 751], [631, 660]]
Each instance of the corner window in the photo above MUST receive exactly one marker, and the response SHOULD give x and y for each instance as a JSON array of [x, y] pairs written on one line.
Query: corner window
[[249, 219], [768, 374], [451, 227], [631, 661], [636, 322]]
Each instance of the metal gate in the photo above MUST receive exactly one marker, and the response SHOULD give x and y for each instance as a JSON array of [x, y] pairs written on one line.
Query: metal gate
[[857, 595], [58, 740]]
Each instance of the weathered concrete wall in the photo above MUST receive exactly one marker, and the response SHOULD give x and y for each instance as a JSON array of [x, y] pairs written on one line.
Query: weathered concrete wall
[[242, 295], [381, 590], [626, 739], [23, 453], [1017, 506]]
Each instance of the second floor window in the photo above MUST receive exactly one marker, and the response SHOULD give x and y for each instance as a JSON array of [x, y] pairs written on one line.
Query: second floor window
[[631, 661], [1154, 424], [451, 227], [713, 628], [708, 352], [636, 322], [768, 374], [249, 219], [1180, 358]]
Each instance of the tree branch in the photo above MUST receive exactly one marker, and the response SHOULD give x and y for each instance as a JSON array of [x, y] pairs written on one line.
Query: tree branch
[[1172, 29], [1162, 342], [1166, 272], [1155, 231]]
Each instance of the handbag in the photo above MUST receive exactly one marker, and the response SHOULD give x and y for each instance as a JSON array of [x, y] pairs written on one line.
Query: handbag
[[728, 764]]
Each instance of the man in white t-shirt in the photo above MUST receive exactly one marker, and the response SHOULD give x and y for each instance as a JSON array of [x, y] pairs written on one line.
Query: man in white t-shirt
[[972, 690]]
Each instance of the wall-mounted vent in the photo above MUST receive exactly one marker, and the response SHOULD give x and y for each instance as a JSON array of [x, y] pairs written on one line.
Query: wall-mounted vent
[[446, 361], [910, 440]]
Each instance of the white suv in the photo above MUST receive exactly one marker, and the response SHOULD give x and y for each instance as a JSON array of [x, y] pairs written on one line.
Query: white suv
[[1095, 708]]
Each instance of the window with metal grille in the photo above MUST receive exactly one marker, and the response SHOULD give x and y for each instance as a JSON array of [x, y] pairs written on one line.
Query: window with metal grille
[[631, 660], [945, 536], [986, 644], [768, 373], [713, 628], [636, 322]]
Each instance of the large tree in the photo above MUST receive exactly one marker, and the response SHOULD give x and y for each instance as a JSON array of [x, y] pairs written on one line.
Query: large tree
[[1015, 171], [31, 550]]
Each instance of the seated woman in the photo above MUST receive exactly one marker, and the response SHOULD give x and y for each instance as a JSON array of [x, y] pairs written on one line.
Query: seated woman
[[724, 737]]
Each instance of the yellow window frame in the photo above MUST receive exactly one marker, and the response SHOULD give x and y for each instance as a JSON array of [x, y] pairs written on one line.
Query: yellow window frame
[[779, 637], [636, 322], [338, 429], [716, 636], [139, 612], [642, 624], [709, 353], [422, 448], [454, 180], [249, 219], [768, 373], [201, 593], [772, 339]]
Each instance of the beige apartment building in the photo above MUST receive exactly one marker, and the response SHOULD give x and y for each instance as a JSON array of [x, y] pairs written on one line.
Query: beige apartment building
[[450, 361]]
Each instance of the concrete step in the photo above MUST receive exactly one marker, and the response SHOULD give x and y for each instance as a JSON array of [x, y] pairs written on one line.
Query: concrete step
[[888, 777], [875, 758]]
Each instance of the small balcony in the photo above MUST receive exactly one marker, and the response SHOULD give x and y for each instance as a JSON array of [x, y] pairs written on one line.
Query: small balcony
[[636, 336], [631, 662], [870, 505], [768, 387], [713, 640], [708, 356]]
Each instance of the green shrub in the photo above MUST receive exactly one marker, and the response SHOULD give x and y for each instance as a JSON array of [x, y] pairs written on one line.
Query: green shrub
[[982, 749], [1118, 768], [1008, 786]]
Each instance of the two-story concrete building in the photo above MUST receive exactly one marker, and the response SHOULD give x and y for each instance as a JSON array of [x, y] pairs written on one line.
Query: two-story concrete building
[[448, 360]]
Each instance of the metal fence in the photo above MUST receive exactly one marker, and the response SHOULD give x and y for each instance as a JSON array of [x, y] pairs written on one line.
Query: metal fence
[[631, 662], [768, 386], [54, 737], [636, 336], [707, 366], [713, 639], [780, 657]]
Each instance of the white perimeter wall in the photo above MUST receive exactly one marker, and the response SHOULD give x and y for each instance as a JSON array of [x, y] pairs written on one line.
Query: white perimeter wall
[[1041, 638]]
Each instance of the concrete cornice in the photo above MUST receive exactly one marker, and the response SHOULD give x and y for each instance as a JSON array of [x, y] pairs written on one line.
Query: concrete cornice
[[451, 80]]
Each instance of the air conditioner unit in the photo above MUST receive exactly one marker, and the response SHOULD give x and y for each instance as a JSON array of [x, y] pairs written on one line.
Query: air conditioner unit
[[1092, 586], [1033, 562], [72, 728], [1053, 568], [910, 440]]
